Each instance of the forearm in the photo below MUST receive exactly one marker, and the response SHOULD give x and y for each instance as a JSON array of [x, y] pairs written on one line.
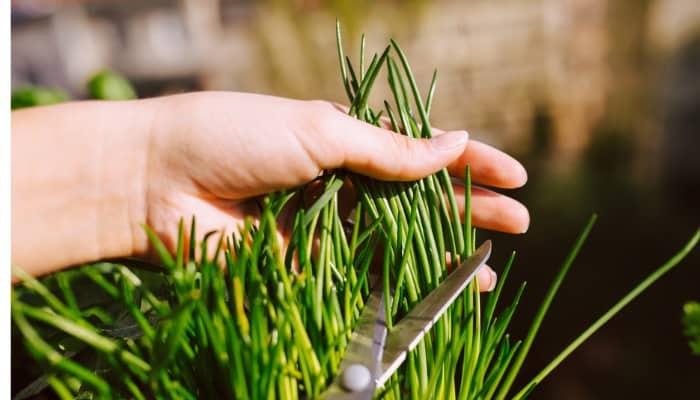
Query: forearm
[[78, 172]]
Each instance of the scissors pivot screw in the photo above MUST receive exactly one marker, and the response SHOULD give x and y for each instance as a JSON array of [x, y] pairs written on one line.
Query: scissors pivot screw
[[355, 378]]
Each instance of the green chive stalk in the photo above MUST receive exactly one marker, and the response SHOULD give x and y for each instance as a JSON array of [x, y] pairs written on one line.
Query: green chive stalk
[[274, 323]]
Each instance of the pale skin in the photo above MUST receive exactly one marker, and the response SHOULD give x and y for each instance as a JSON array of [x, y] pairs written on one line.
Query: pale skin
[[87, 175]]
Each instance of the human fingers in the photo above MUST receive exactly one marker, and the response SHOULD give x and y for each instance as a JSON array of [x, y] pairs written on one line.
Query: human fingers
[[380, 153], [487, 279], [494, 211], [489, 166]]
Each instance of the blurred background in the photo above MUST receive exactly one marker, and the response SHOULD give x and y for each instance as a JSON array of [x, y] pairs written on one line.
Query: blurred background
[[600, 99]]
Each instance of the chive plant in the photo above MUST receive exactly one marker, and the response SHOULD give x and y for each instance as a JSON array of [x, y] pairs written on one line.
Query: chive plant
[[274, 323], [691, 325]]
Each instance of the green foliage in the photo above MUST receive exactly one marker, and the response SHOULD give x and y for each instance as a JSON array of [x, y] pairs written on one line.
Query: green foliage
[[37, 96], [274, 322], [104, 85], [691, 324], [107, 85]]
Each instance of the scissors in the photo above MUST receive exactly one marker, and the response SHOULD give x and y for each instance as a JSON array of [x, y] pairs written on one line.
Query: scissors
[[373, 355]]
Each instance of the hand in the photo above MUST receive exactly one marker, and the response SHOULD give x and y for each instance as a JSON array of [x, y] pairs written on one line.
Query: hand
[[211, 152]]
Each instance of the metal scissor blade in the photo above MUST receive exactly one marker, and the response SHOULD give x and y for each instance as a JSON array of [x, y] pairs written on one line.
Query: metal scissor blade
[[406, 335], [365, 348]]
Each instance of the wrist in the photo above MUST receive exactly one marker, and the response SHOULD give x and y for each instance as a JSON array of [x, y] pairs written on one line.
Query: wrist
[[121, 184]]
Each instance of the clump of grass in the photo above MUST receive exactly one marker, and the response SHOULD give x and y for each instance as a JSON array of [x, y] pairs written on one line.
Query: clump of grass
[[261, 328]]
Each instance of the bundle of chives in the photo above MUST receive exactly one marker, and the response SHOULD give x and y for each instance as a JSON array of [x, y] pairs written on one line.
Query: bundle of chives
[[274, 324], [253, 330]]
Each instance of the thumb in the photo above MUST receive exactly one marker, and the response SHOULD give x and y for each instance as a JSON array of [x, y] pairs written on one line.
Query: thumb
[[386, 155]]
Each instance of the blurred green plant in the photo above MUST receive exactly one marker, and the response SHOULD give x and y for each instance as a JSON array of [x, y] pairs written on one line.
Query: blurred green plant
[[691, 324], [33, 96], [108, 85], [104, 85]]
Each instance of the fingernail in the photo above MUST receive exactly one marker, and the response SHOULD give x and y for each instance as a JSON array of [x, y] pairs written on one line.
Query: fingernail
[[450, 140], [494, 280], [526, 218], [523, 175], [525, 228]]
